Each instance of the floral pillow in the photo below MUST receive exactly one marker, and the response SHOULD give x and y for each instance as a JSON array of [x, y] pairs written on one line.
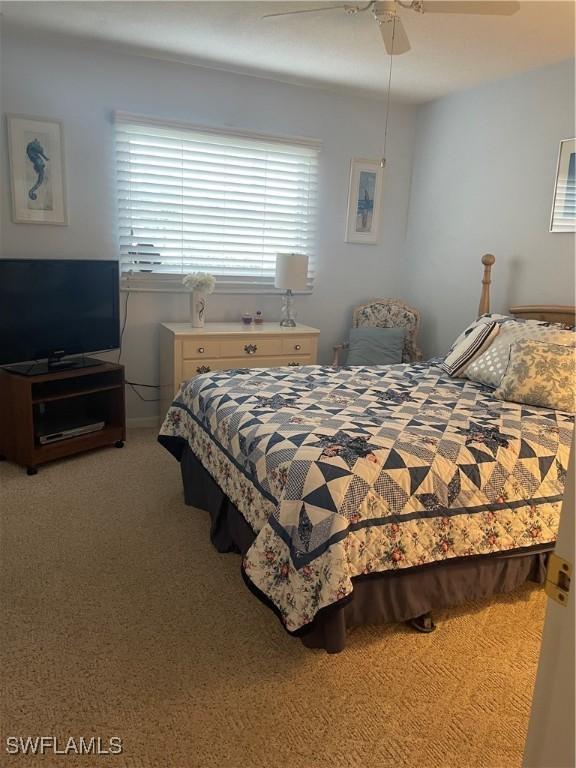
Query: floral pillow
[[489, 367], [540, 373]]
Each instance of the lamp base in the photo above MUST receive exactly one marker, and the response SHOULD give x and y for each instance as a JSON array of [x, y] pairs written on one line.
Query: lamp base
[[287, 315]]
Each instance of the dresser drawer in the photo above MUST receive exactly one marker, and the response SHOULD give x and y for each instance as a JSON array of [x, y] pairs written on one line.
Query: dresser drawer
[[297, 346], [267, 362], [197, 348], [191, 368], [250, 348], [295, 360]]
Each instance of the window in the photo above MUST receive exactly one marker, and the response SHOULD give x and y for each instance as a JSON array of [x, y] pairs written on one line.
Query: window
[[201, 200], [564, 205]]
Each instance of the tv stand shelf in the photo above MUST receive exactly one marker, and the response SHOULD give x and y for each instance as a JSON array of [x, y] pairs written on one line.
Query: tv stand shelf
[[51, 402]]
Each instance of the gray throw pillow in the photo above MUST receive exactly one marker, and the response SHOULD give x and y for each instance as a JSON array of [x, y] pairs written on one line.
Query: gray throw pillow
[[375, 346]]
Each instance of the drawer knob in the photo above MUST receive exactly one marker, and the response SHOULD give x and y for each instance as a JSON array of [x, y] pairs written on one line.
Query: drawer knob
[[202, 369], [294, 364], [297, 347], [250, 349], [201, 350]]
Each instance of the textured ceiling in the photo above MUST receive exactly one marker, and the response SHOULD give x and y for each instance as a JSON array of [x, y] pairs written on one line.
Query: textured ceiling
[[449, 52]]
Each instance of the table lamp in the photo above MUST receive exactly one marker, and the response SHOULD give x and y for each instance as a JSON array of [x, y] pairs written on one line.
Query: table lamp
[[291, 275]]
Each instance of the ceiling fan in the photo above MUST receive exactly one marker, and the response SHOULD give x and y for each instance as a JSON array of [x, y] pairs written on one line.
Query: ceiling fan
[[390, 24]]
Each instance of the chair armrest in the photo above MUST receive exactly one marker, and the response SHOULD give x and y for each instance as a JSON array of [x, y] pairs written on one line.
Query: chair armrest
[[337, 349], [414, 355]]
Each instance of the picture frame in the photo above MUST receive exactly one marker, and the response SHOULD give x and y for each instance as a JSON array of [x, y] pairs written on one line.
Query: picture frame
[[563, 216], [364, 201], [37, 170]]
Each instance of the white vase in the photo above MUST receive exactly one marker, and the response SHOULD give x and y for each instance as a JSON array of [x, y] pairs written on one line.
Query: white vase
[[197, 309]]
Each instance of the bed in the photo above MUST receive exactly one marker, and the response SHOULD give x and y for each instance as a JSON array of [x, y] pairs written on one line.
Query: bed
[[371, 494]]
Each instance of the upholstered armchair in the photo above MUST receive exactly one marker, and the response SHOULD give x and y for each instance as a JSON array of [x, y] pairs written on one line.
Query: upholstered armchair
[[387, 313]]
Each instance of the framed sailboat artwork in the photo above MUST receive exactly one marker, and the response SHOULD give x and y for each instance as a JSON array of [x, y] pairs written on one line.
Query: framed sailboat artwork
[[364, 202]]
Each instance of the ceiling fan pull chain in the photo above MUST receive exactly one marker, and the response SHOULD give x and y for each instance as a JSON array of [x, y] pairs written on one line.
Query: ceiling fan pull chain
[[383, 161]]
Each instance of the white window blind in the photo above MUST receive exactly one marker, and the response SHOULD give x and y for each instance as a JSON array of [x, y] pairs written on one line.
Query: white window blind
[[201, 200], [564, 206]]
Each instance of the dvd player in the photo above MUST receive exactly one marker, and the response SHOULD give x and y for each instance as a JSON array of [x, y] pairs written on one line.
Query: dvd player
[[73, 431]]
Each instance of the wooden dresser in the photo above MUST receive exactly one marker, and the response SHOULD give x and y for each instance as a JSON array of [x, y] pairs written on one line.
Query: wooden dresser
[[186, 351]]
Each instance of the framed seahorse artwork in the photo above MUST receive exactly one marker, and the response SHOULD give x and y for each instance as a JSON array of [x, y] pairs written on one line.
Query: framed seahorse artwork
[[37, 175]]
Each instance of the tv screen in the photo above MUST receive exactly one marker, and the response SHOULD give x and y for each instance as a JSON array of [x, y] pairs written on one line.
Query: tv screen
[[55, 307]]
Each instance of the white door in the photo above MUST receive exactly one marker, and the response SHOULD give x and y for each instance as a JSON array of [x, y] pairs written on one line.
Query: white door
[[550, 741]]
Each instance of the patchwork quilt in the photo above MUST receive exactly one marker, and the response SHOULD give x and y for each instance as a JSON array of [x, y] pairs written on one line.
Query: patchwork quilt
[[351, 471]]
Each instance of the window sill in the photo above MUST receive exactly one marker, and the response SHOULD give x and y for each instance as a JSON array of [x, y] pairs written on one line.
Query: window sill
[[173, 284]]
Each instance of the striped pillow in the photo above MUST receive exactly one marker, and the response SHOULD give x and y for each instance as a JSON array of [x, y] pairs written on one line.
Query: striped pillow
[[488, 318], [469, 348]]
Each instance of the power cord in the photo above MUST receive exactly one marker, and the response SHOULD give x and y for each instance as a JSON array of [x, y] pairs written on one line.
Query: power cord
[[123, 325], [144, 399], [134, 384], [137, 384]]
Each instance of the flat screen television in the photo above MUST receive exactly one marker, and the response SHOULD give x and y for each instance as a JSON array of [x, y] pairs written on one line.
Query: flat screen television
[[52, 308]]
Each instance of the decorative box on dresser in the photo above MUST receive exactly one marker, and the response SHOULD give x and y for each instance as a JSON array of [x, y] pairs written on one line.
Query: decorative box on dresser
[[186, 352]]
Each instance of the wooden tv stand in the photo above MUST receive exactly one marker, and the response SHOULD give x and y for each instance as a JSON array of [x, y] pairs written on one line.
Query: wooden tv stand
[[30, 405]]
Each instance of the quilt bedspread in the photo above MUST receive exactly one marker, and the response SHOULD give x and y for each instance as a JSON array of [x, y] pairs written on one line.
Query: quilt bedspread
[[350, 471]]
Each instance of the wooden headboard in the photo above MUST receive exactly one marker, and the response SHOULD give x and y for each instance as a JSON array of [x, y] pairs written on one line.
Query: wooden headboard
[[550, 313], [484, 306]]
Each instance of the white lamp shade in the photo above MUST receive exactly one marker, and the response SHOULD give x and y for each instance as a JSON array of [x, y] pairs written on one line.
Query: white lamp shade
[[291, 271]]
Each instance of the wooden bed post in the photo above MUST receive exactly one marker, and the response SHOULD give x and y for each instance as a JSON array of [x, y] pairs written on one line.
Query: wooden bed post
[[484, 307]]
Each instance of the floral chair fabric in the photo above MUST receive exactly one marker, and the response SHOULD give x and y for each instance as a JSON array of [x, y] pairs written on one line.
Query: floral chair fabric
[[388, 313]]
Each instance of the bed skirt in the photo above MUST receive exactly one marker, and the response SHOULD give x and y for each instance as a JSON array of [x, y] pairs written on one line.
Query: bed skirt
[[391, 596]]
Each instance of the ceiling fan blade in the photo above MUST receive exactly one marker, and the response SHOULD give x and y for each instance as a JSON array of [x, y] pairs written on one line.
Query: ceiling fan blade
[[304, 10], [400, 44], [469, 6]]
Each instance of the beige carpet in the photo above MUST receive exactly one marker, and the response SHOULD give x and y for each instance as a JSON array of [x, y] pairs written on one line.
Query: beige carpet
[[118, 618]]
